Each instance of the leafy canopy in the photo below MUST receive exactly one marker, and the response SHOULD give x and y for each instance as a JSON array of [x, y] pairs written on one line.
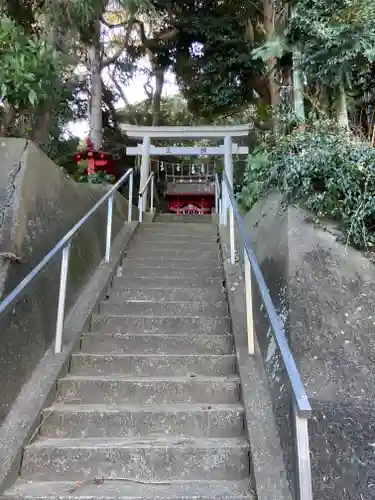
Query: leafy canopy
[[30, 68], [323, 169]]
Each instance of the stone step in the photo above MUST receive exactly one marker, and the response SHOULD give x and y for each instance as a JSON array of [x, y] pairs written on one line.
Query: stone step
[[166, 325], [128, 490], [155, 309], [167, 272], [187, 343], [161, 295], [179, 236], [183, 217], [169, 236], [156, 263], [166, 232], [185, 252], [152, 390], [81, 421], [147, 459], [120, 282], [182, 226], [164, 260], [149, 365], [170, 243]]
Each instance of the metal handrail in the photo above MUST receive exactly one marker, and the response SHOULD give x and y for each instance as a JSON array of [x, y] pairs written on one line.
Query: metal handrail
[[141, 193], [64, 245], [301, 409], [151, 178], [298, 389]]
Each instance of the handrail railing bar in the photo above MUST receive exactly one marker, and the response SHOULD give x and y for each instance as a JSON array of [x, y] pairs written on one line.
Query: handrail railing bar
[[298, 389], [69, 235], [141, 193]]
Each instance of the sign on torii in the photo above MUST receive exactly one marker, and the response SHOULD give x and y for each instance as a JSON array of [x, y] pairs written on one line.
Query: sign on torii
[[186, 150], [199, 132]]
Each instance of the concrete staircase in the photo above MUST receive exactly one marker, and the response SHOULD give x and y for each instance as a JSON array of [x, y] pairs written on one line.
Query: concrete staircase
[[151, 405]]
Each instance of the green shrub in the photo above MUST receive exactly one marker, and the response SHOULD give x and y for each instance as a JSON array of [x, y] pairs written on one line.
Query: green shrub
[[322, 169]]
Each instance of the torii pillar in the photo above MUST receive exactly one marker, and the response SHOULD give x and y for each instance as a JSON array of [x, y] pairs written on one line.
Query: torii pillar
[[145, 167]]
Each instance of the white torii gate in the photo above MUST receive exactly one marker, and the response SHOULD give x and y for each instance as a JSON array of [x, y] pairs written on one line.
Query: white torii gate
[[227, 149]]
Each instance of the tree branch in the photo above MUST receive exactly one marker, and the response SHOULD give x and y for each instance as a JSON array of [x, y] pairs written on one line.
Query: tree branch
[[121, 49], [107, 99], [142, 32], [149, 91], [167, 34], [164, 35], [119, 89], [111, 26]]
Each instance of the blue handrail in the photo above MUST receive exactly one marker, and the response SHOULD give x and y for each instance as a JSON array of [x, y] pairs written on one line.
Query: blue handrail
[[298, 389]]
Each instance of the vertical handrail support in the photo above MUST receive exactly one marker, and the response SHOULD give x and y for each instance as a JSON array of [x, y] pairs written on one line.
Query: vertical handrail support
[[130, 205], [109, 229], [62, 297], [303, 455]]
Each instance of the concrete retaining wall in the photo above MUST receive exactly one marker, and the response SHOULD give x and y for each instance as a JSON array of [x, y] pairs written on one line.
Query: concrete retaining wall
[[325, 293], [38, 205]]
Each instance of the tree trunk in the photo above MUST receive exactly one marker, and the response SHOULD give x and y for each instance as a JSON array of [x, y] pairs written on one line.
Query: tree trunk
[[269, 25], [156, 99], [96, 118], [41, 128], [9, 117], [298, 99], [324, 99], [43, 118], [298, 93], [342, 109]]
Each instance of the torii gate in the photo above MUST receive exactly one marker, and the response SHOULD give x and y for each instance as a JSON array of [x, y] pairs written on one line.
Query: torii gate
[[227, 149]]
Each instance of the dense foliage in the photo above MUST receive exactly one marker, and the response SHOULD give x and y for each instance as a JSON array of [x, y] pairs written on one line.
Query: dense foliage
[[213, 63], [322, 169]]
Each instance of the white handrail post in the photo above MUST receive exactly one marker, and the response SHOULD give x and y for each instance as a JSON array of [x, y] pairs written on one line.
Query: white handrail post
[[131, 180], [140, 208], [231, 235], [221, 201], [249, 304], [303, 456], [216, 195], [224, 206], [152, 194], [62, 297], [109, 230]]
